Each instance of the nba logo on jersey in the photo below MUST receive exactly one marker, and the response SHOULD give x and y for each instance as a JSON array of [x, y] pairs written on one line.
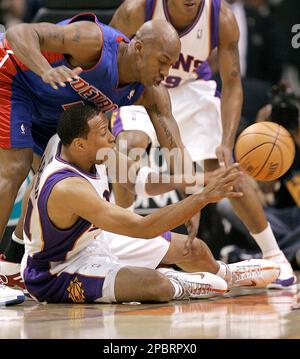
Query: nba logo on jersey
[[199, 34]]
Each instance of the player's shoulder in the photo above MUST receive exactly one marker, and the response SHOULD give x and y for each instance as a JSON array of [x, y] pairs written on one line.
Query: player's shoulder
[[226, 14], [69, 188], [129, 16], [227, 23], [134, 6]]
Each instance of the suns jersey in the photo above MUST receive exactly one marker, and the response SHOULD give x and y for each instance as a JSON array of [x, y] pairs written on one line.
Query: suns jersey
[[197, 41], [97, 86], [44, 242]]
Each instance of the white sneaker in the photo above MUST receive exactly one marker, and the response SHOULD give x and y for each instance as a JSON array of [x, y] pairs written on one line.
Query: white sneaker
[[198, 285], [254, 273], [9, 296], [12, 273], [287, 278]]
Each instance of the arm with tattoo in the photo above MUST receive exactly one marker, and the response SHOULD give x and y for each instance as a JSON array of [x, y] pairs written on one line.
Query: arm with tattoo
[[158, 105], [81, 41]]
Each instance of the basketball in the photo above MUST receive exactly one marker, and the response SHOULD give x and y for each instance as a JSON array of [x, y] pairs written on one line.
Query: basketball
[[265, 151]]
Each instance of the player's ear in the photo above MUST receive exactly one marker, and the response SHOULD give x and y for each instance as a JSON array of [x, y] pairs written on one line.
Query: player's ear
[[77, 143]]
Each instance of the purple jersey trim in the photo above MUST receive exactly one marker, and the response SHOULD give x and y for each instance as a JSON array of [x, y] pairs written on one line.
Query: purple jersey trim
[[204, 71], [167, 236], [88, 174], [192, 25], [57, 242], [118, 125], [150, 6], [214, 23]]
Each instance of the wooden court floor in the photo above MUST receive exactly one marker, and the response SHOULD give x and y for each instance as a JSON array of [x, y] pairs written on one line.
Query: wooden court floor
[[240, 314]]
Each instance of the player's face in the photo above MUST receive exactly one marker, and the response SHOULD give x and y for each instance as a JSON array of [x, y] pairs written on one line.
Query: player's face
[[185, 7], [99, 136], [155, 65]]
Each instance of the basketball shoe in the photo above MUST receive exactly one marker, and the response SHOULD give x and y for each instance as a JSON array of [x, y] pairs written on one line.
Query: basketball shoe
[[287, 278], [9, 296], [199, 285], [12, 273], [253, 272]]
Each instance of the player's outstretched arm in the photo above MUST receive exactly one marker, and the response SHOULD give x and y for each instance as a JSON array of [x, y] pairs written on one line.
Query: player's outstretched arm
[[74, 197], [232, 93], [129, 17], [81, 41]]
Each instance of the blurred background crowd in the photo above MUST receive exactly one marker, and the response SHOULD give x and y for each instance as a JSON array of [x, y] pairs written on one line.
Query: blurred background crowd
[[270, 67]]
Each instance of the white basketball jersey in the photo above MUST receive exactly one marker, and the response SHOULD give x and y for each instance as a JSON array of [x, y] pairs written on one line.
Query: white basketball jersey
[[197, 41], [44, 241]]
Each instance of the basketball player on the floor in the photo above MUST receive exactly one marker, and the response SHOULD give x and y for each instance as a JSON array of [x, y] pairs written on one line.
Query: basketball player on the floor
[[207, 124], [81, 248], [40, 66]]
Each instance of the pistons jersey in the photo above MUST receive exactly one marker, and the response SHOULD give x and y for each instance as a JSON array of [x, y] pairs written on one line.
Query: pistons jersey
[[45, 244], [96, 86], [197, 41]]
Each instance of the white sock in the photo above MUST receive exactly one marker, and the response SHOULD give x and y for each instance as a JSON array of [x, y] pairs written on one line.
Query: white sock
[[131, 208], [224, 271], [16, 239], [267, 242]]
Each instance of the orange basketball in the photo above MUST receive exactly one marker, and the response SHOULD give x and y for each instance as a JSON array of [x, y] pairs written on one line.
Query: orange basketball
[[265, 151]]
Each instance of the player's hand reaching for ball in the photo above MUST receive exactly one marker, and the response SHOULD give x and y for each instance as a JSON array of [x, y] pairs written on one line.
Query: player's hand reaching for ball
[[59, 75], [224, 184]]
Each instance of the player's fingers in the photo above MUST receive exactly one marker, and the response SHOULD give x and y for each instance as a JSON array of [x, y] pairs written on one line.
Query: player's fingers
[[55, 77], [221, 159], [232, 194], [66, 74], [228, 171], [232, 177], [76, 72], [52, 84], [73, 73], [188, 245]]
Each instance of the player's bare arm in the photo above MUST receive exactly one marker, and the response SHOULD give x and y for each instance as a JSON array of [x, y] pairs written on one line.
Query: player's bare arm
[[232, 93], [149, 181], [81, 42], [129, 17], [75, 198]]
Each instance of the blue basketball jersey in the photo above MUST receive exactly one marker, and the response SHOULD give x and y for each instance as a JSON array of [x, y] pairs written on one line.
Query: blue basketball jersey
[[97, 86]]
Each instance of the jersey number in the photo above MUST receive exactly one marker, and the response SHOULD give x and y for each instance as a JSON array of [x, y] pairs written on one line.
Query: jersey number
[[172, 81]]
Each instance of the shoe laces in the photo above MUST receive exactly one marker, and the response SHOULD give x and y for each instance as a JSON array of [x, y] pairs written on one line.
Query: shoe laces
[[192, 289], [3, 280], [245, 272]]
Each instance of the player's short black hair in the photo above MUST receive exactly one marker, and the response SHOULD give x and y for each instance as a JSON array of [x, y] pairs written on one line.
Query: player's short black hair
[[73, 123]]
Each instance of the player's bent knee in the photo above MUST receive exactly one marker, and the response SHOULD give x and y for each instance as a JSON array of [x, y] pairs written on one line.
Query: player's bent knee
[[198, 249], [160, 287]]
